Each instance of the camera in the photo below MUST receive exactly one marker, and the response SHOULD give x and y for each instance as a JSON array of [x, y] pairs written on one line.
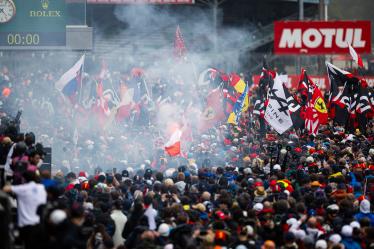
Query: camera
[[10, 127]]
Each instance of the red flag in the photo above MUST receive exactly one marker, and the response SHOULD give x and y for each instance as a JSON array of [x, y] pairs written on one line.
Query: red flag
[[355, 56], [213, 112], [315, 111], [179, 47], [173, 146]]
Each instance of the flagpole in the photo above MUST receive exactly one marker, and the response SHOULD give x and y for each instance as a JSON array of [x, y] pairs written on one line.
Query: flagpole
[[81, 81], [146, 88]]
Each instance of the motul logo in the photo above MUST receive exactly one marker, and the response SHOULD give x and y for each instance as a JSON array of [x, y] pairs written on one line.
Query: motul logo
[[321, 37], [313, 38]]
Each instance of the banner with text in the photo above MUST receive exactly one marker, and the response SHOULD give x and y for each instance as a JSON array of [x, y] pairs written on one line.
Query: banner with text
[[321, 37]]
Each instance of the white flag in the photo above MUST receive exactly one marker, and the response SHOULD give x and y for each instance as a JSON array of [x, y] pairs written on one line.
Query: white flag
[[277, 114], [355, 56], [68, 79]]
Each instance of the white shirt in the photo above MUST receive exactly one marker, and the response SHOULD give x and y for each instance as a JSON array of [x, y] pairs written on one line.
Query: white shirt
[[151, 214], [29, 197], [120, 221]]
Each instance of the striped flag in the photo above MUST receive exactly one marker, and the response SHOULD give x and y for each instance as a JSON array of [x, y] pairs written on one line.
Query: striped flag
[[173, 146]]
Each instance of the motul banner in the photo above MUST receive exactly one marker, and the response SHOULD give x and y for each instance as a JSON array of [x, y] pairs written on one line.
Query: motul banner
[[141, 1], [320, 37], [322, 81]]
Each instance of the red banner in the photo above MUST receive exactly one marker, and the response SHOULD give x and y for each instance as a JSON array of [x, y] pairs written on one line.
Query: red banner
[[141, 1], [322, 81], [319, 37]]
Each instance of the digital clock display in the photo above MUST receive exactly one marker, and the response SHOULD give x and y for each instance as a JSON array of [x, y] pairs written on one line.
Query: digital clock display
[[32, 39]]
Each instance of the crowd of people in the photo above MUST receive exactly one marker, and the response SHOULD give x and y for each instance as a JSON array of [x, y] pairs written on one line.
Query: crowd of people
[[233, 187]]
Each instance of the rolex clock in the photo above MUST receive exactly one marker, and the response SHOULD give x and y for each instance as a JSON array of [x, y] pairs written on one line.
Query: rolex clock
[[7, 10]]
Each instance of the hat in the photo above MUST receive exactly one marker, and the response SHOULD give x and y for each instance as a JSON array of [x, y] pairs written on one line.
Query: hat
[[321, 244], [260, 191], [316, 184], [57, 216], [335, 238], [299, 234], [371, 152], [258, 184], [250, 231], [291, 221], [355, 224], [241, 247], [125, 173], [83, 174], [277, 167], [168, 182], [333, 207], [247, 171], [309, 159], [221, 215], [6, 140], [258, 207], [347, 231], [298, 150], [164, 230], [365, 207], [199, 207]]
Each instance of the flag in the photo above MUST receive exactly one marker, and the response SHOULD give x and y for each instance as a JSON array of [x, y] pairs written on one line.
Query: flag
[[305, 87], [123, 110], [213, 112], [314, 109], [265, 83], [173, 146], [259, 107], [315, 112], [179, 46], [212, 77], [363, 98], [237, 83], [239, 107], [277, 114], [355, 56], [359, 106], [349, 103], [295, 109], [70, 82], [338, 102]]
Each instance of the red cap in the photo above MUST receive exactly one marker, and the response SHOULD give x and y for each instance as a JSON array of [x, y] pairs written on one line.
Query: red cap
[[82, 174], [221, 215], [298, 150], [258, 184]]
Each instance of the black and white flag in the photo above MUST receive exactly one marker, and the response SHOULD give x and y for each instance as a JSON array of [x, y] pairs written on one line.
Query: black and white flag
[[277, 111]]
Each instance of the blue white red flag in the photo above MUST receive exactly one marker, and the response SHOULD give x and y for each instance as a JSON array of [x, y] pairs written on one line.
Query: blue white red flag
[[71, 82]]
